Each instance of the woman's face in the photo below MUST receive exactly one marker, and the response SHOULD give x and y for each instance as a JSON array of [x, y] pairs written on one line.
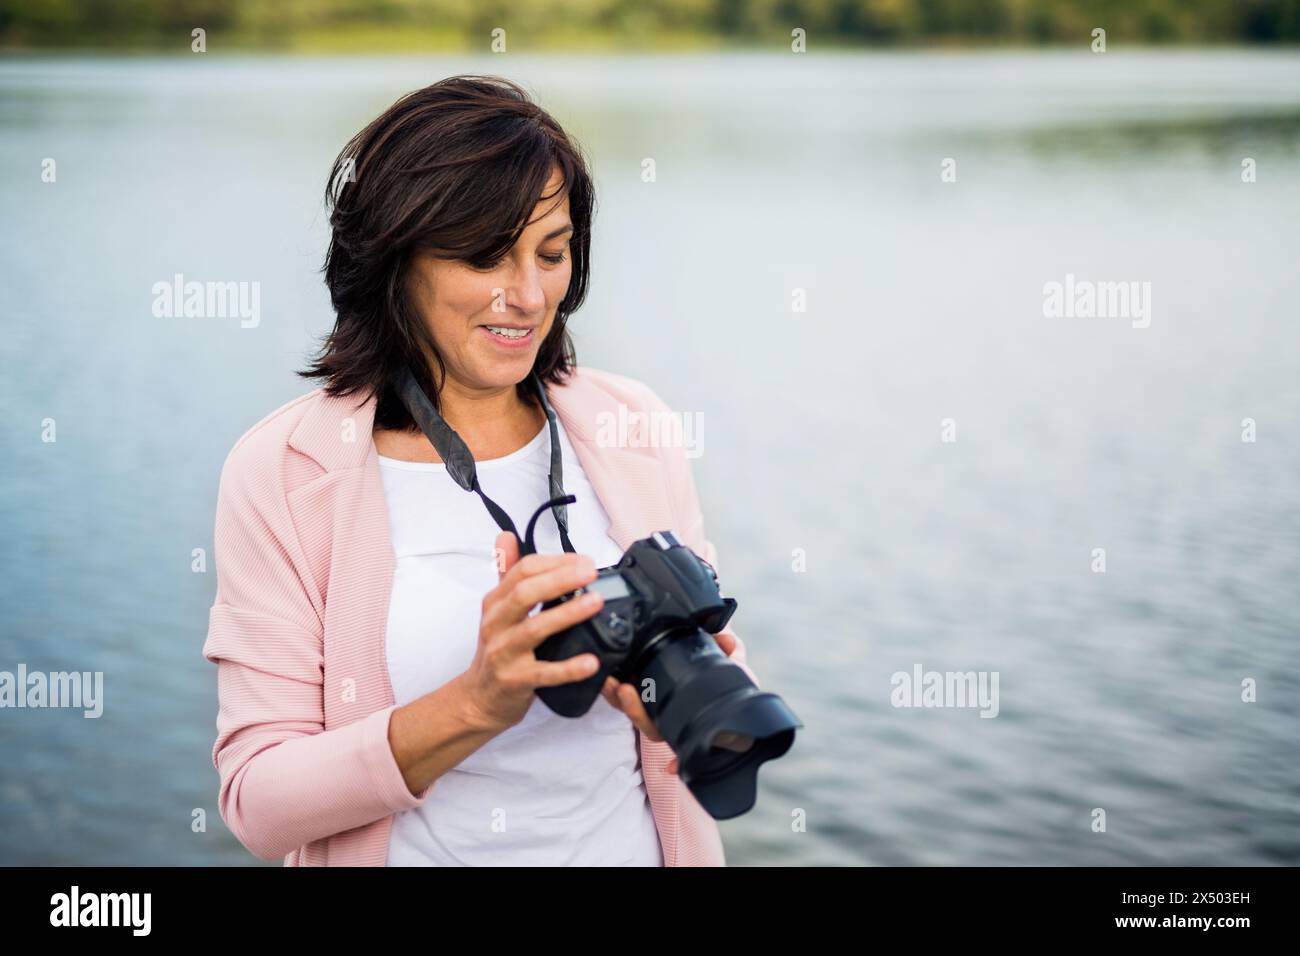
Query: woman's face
[[489, 323]]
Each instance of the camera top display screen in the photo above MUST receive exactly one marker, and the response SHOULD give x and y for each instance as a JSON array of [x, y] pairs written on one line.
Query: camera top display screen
[[608, 587]]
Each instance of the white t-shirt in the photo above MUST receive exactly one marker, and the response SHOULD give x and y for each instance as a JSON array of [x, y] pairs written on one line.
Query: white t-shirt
[[551, 790]]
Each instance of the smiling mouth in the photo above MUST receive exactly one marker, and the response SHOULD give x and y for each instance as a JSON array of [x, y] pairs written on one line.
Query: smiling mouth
[[509, 333]]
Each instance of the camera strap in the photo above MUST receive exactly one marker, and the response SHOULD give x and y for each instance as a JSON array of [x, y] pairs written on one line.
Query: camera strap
[[460, 463]]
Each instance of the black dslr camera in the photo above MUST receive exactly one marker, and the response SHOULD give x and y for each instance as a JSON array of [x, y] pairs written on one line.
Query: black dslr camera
[[662, 604]]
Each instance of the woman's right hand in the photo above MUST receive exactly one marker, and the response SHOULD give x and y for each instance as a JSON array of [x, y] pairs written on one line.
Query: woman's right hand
[[504, 674]]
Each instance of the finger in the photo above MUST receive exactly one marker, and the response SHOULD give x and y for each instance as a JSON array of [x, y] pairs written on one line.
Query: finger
[[725, 641], [553, 673], [532, 630], [533, 590], [607, 691], [632, 706], [672, 765], [501, 608], [506, 553], [531, 564]]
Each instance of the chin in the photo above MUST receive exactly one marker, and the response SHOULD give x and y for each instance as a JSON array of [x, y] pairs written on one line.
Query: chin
[[498, 373]]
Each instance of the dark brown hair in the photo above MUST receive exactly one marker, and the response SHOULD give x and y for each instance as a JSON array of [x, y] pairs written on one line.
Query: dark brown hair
[[455, 168]]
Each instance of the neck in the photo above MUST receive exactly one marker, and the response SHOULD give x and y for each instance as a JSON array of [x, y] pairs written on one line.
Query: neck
[[469, 409], [493, 422]]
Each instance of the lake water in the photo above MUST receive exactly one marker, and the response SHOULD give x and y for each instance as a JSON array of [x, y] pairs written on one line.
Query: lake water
[[823, 429]]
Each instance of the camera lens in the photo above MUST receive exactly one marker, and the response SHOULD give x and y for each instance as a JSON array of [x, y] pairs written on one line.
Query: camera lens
[[718, 723], [729, 741]]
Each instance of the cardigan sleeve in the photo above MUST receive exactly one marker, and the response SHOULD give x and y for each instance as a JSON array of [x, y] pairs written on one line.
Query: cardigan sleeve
[[686, 501], [285, 780]]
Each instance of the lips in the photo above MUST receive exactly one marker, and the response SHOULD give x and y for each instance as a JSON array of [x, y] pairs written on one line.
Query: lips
[[510, 336]]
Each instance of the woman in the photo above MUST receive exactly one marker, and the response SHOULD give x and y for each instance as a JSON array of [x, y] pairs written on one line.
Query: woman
[[374, 624]]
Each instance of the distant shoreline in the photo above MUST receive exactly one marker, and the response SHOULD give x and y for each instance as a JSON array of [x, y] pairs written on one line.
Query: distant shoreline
[[405, 42]]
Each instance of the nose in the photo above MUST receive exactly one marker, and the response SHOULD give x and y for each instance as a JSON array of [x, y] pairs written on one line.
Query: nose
[[524, 290]]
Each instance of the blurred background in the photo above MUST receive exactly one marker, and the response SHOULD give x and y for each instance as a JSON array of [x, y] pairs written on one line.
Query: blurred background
[[915, 178]]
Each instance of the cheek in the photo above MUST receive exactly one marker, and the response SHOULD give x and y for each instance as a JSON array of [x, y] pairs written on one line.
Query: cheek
[[557, 285], [467, 295], [460, 299]]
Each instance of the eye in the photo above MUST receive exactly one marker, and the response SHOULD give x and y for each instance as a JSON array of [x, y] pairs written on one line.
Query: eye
[[483, 265], [557, 259]]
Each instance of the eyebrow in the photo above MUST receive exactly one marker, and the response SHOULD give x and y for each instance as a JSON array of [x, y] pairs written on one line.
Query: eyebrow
[[558, 232]]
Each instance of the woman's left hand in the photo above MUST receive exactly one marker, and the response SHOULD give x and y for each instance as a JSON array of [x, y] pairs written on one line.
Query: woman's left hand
[[625, 697]]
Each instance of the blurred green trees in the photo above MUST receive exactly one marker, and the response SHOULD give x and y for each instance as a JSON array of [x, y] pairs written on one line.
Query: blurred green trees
[[467, 24]]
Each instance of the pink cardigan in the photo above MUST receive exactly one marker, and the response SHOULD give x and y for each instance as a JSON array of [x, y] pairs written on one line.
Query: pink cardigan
[[297, 628]]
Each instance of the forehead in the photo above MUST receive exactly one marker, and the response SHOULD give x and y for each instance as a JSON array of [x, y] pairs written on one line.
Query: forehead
[[553, 208]]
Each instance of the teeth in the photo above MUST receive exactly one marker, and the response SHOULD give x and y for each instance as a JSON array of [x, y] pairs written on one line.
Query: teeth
[[508, 333]]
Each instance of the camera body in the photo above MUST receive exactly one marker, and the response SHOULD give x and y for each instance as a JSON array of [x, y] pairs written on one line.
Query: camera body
[[660, 590]]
